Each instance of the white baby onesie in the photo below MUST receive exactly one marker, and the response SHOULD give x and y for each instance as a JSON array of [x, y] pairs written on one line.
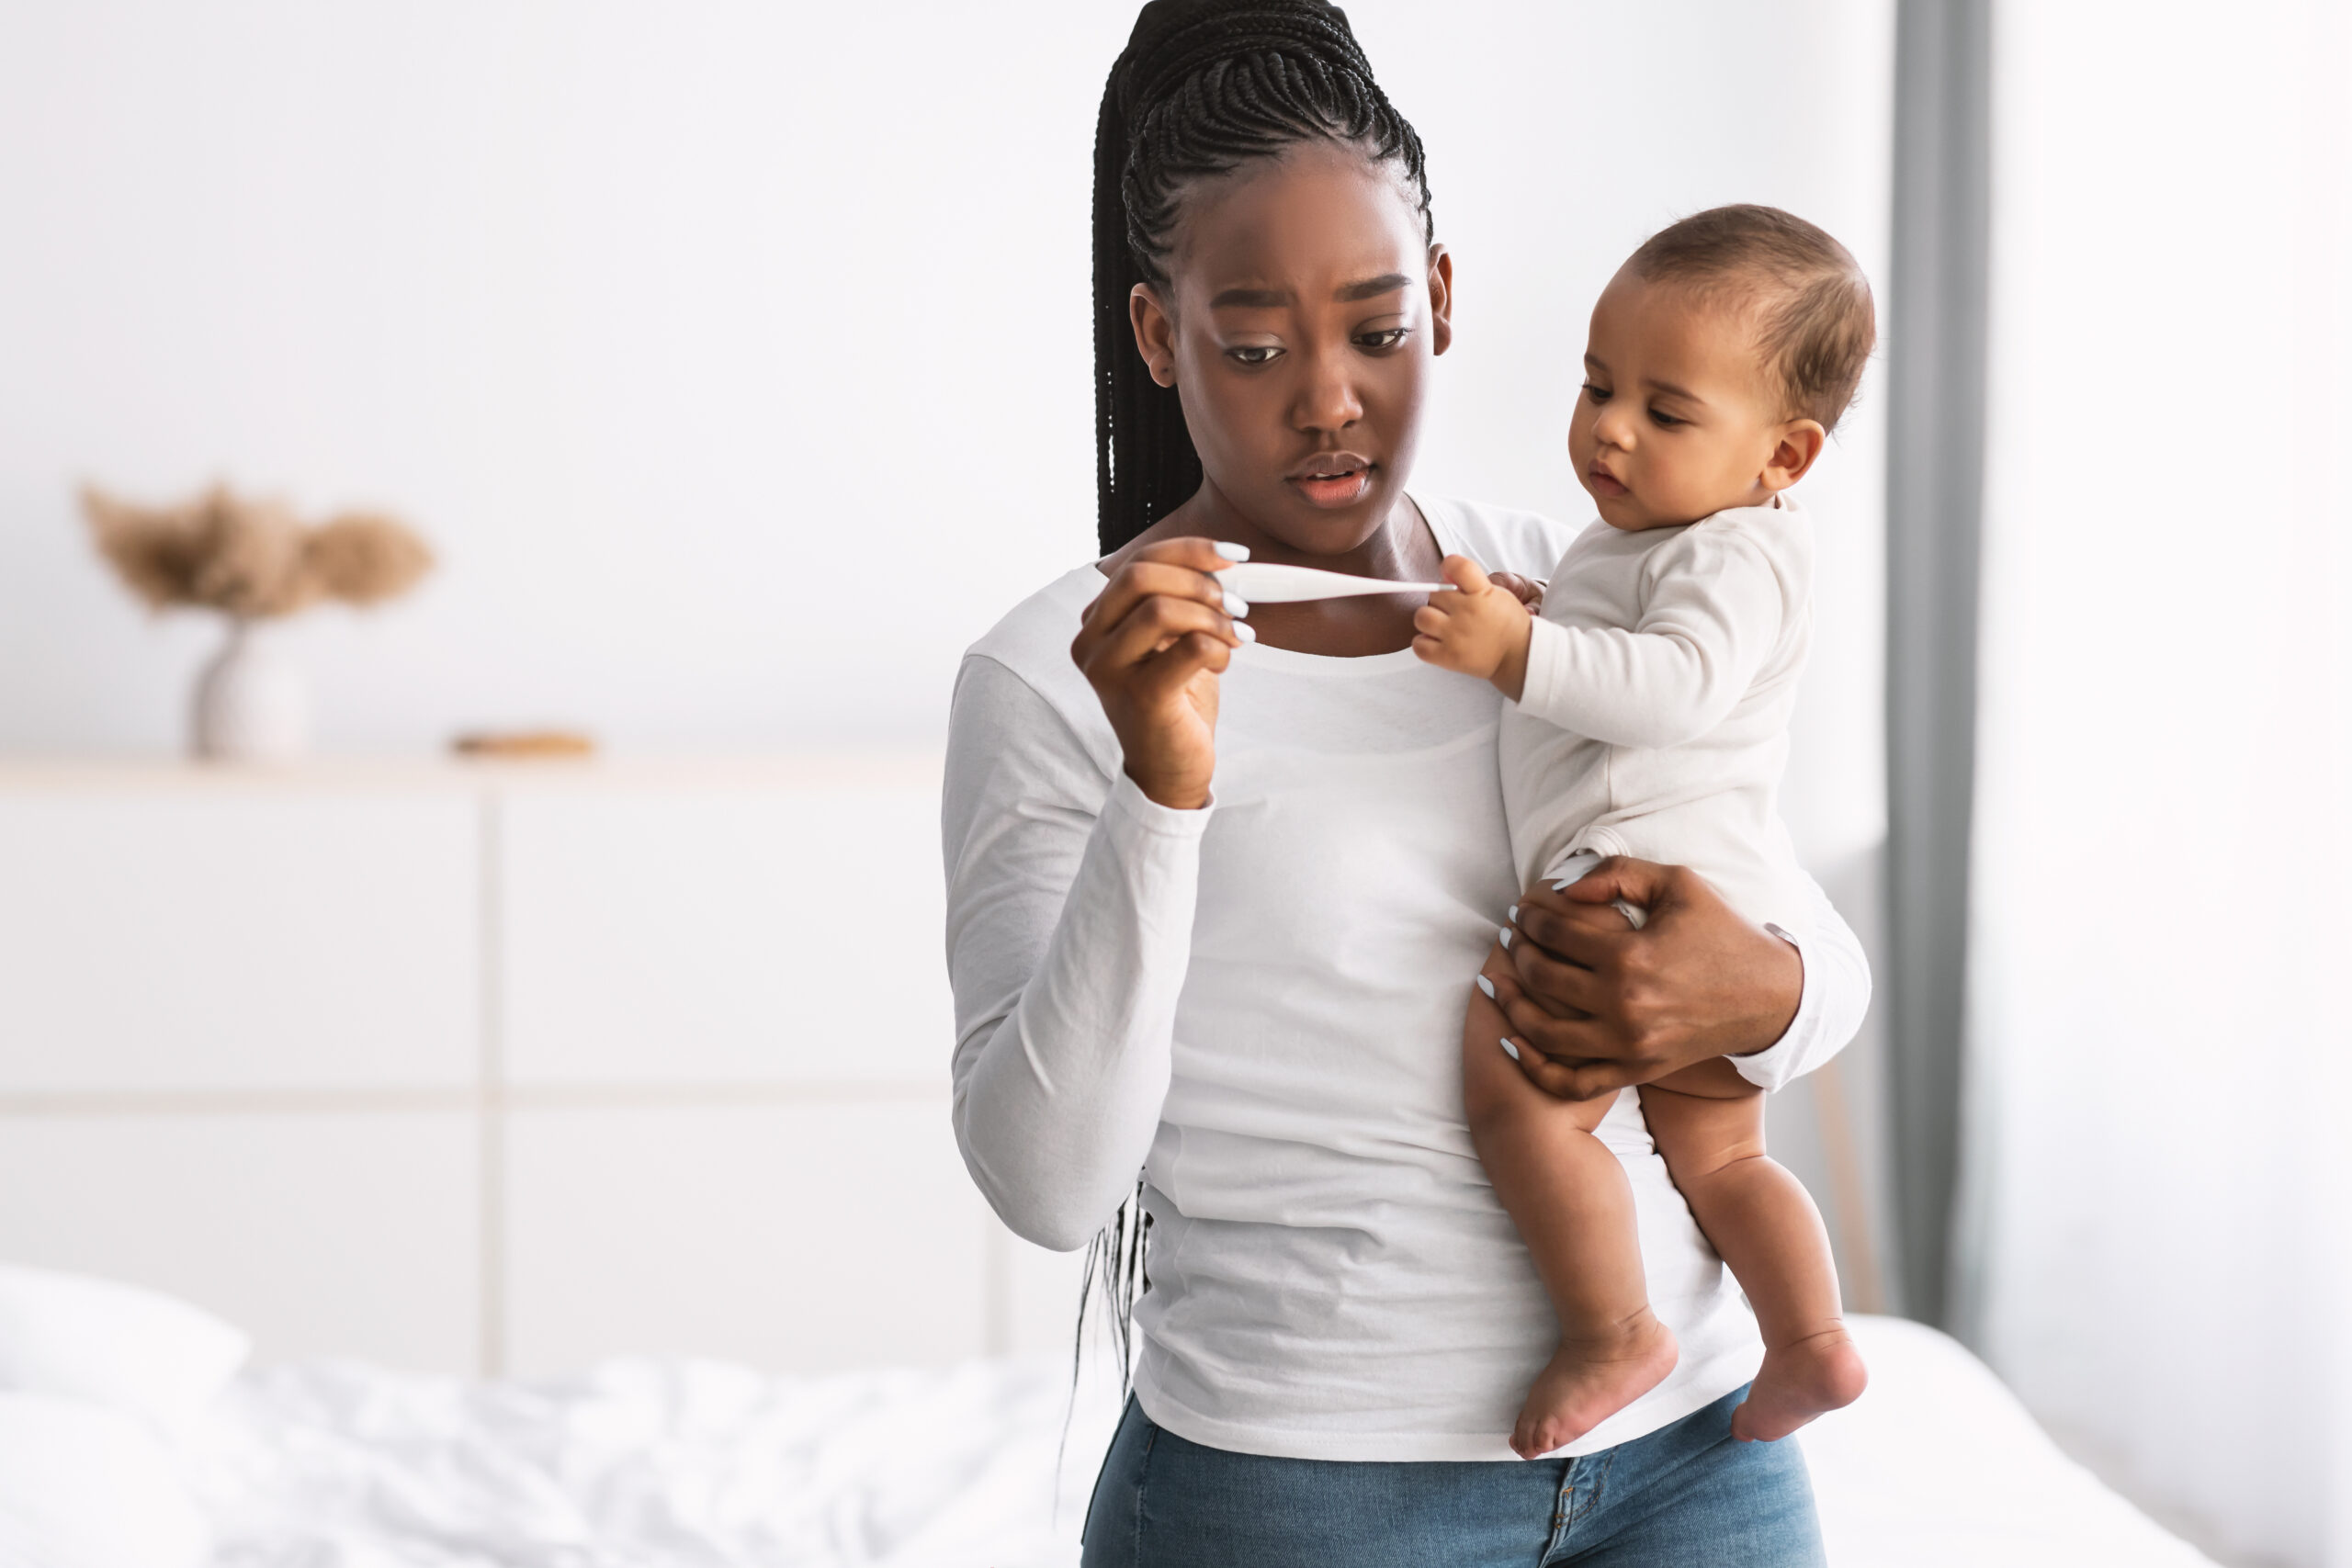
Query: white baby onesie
[[1654, 722]]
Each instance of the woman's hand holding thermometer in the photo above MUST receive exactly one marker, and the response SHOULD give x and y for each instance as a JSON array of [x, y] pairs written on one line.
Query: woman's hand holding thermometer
[[1152, 645]]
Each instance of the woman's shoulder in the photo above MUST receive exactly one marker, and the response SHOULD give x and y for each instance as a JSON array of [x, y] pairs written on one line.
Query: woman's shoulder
[[1501, 538], [1036, 633], [1028, 650]]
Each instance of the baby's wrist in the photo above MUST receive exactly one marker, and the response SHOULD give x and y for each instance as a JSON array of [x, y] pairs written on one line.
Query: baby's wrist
[[1509, 675]]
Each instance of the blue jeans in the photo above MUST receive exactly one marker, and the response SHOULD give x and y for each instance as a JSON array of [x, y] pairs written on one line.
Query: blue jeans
[[1684, 1495]]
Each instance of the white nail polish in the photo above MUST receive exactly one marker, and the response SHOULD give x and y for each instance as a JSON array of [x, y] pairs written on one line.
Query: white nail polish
[[1513, 916], [1234, 604], [1505, 936], [1245, 631], [1562, 886], [1232, 551], [1487, 986], [1511, 1050]]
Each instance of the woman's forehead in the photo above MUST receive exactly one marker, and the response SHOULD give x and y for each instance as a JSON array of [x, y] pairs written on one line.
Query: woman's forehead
[[1321, 218]]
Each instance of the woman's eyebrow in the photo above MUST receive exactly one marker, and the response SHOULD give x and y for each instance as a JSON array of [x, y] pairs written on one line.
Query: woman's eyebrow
[[1371, 288], [1274, 298], [1254, 299]]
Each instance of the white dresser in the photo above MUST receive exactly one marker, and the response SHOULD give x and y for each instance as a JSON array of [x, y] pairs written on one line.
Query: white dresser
[[501, 1068]]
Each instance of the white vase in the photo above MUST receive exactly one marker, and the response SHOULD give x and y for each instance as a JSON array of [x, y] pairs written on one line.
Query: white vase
[[252, 704]]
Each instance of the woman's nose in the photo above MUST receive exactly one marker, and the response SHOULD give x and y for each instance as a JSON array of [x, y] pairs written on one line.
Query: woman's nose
[[1328, 399]]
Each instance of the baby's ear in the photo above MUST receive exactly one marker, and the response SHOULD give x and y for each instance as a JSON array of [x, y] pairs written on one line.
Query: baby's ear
[[1799, 444]]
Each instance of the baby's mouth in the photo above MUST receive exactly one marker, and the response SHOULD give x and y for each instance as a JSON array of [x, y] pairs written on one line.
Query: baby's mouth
[[1601, 482]]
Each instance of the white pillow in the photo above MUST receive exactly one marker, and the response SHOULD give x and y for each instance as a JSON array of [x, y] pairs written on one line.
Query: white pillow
[[84, 1487], [132, 1351]]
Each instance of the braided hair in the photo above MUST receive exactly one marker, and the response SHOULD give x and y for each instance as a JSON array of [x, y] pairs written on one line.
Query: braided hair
[[1204, 86]]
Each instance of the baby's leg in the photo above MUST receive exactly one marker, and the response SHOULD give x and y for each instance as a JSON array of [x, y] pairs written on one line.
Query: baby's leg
[[1709, 1123], [1571, 1202]]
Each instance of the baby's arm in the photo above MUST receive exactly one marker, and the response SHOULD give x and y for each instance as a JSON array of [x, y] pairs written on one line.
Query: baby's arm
[[1713, 615]]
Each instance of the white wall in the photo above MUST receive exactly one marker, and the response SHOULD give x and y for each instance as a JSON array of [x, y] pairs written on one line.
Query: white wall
[[735, 355]]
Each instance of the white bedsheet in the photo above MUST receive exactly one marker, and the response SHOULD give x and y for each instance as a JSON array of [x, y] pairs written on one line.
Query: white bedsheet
[[686, 1464], [1938, 1466]]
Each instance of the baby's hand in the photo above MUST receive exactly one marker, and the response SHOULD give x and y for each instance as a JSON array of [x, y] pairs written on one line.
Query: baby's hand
[[1477, 627]]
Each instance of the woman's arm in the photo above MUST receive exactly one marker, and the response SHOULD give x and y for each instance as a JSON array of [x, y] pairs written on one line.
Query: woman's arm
[[1836, 994], [1605, 1005], [1069, 916], [1070, 895]]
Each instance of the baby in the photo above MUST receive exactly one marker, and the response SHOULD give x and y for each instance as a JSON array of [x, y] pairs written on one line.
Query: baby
[[1652, 697]]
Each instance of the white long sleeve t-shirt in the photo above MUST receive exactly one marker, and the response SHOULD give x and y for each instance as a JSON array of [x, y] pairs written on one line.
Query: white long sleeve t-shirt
[[1260, 1005], [1661, 676]]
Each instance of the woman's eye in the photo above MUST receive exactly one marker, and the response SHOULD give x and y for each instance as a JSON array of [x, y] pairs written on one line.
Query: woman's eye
[[1253, 353], [1598, 394], [1387, 338]]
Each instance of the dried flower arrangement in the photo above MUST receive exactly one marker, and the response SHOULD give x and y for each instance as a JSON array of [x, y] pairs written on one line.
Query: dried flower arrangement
[[252, 559], [254, 562]]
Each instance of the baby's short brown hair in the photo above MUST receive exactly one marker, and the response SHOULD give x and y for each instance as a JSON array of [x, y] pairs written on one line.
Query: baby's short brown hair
[[1812, 304]]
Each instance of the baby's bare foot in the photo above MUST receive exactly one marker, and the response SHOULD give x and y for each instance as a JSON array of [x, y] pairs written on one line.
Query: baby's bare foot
[[1799, 1382], [1589, 1380]]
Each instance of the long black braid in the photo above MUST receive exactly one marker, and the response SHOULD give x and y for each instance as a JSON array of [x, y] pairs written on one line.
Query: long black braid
[[1204, 86]]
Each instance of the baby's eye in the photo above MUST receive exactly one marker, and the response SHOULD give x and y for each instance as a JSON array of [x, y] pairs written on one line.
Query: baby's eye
[[1388, 337], [1664, 420], [1598, 394], [1253, 353]]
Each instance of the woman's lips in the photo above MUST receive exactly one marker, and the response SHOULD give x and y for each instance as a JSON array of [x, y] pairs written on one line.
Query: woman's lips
[[1336, 490], [1333, 482]]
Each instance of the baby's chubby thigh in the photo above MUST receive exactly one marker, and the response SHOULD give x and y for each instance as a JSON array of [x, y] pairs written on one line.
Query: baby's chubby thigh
[[1704, 1117], [1496, 1090]]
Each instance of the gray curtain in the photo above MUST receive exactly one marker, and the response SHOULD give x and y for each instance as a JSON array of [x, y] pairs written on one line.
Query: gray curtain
[[1935, 336]]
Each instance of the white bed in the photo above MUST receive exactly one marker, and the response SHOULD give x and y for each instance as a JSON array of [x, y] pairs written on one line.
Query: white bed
[[692, 1463]]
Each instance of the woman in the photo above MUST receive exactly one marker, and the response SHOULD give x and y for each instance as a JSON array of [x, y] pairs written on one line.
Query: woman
[[1217, 888]]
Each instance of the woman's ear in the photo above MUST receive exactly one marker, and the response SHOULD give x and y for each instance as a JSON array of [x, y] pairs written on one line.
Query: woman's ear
[[1155, 333], [1798, 444], [1441, 299]]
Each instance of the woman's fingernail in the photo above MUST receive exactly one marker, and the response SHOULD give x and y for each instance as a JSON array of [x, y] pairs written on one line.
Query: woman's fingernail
[[1231, 551], [1234, 604], [1511, 1050], [1513, 916], [1245, 631], [1505, 936], [1487, 986], [1562, 885]]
